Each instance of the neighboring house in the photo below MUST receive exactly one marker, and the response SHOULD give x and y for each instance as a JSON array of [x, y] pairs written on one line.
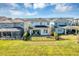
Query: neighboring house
[[40, 26], [58, 23], [11, 29], [19, 23]]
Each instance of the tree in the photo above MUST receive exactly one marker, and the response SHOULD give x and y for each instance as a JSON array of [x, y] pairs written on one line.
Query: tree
[[26, 36]]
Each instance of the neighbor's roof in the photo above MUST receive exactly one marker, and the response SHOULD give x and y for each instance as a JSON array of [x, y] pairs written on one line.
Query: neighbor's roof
[[40, 20], [9, 20], [60, 20], [71, 27], [5, 21], [17, 20]]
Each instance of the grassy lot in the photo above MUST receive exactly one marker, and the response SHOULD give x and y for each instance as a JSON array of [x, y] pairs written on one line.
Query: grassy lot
[[40, 47]]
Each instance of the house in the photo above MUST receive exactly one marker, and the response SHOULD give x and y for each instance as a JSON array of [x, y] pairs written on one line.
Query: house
[[57, 23], [40, 26], [11, 29], [45, 26]]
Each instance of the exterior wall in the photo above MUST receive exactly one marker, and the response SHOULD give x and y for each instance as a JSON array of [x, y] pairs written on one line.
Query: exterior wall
[[52, 24], [59, 30], [27, 25], [43, 31], [21, 24], [60, 23], [6, 25], [10, 25], [40, 23]]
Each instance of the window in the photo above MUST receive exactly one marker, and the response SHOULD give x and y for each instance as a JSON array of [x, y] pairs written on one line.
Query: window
[[41, 23], [32, 22], [47, 23], [21, 24], [45, 31], [5, 25]]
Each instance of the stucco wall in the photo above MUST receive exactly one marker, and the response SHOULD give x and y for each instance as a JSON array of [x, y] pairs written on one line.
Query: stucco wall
[[8, 25]]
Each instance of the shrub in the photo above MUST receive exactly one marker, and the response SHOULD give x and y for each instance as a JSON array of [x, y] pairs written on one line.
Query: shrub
[[52, 33], [56, 36]]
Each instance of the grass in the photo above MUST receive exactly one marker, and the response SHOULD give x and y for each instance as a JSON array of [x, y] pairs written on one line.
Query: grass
[[40, 46]]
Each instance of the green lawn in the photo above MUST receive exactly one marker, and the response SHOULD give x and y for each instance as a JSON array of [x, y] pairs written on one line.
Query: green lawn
[[40, 47]]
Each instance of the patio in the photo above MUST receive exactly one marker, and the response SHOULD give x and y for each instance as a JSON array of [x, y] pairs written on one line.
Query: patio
[[71, 28], [9, 33]]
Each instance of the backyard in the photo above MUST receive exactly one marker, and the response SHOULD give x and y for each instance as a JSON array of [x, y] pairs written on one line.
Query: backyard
[[40, 46]]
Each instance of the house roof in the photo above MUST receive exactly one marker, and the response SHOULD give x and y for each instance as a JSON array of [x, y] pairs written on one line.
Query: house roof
[[71, 27], [17, 20], [5, 21], [40, 20], [10, 20], [26, 20], [60, 20]]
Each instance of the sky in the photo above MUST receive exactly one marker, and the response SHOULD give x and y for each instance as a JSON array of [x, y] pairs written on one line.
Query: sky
[[39, 10]]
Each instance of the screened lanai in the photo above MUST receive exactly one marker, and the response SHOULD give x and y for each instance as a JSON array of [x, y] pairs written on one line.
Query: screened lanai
[[71, 28], [9, 33]]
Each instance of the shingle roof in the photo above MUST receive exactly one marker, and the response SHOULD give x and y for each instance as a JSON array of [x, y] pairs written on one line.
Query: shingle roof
[[10, 21], [17, 20], [40, 20], [71, 27], [61, 20], [5, 21]]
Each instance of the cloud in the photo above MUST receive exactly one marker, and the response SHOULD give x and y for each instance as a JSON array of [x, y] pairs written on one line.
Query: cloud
[[31, 13], [28, 5], [39, 5], [62, 7], [15, 12], [13, 5], [53, 4], [35, 5]]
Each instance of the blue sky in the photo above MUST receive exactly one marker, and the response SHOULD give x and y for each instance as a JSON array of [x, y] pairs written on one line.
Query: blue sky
[[39, 10]]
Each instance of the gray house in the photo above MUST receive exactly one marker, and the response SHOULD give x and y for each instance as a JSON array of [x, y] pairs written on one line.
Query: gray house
[[57, 23], [40, 26], [10, 29]]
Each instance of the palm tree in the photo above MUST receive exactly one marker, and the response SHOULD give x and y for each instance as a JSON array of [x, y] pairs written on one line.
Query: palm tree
[[26, 36]]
